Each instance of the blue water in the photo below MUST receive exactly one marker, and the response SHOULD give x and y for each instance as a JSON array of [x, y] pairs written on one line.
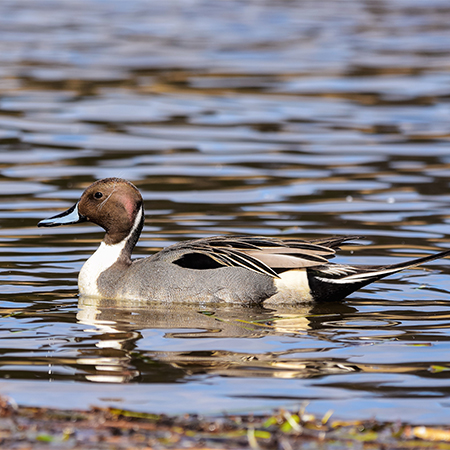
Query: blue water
[[269, 118]]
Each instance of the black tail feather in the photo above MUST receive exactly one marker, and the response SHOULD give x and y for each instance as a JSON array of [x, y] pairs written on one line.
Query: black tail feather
[[326, 284]]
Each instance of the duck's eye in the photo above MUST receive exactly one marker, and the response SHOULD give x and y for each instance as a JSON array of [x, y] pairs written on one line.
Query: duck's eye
[[98, 195]]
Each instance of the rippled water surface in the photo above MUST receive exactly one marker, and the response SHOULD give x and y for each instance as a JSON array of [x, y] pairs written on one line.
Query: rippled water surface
[[277, 118]]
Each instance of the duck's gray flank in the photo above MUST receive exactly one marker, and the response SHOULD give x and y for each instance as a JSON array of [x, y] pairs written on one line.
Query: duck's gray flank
[[235, 269]]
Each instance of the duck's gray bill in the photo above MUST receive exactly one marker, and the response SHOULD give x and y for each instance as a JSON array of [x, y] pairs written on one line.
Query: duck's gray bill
[[65, 218]]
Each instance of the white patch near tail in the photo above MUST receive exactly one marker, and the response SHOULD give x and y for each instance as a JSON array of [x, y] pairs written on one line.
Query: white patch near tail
[[293, 286]]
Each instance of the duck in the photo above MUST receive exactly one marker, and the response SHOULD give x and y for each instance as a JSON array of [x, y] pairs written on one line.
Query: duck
[[235, 269]]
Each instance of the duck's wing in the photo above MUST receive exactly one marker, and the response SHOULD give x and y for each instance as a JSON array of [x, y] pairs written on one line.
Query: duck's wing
[[334, 241], [269, 256]]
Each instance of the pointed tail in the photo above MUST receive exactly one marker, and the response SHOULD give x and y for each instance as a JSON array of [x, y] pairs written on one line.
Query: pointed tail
[[336, 282]]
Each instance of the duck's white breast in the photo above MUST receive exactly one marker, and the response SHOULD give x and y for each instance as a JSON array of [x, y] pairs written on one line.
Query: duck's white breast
[[104, 257]]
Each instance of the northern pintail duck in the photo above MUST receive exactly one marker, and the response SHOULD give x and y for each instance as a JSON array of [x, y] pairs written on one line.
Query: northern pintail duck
[[236, 269]]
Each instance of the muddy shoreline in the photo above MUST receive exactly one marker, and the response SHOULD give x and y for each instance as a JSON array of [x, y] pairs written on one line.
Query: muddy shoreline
[[112, 428]]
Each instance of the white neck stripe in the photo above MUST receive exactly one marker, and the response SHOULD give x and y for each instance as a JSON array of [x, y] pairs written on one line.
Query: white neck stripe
[[137, 221]]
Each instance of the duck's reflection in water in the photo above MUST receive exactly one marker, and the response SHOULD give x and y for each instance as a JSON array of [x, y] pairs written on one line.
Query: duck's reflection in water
[[118, 326]]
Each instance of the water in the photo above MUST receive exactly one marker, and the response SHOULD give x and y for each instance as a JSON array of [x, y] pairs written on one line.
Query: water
[[268, 118]]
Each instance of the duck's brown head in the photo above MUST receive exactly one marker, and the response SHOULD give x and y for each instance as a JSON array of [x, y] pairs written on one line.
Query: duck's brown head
[[112, 203]]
